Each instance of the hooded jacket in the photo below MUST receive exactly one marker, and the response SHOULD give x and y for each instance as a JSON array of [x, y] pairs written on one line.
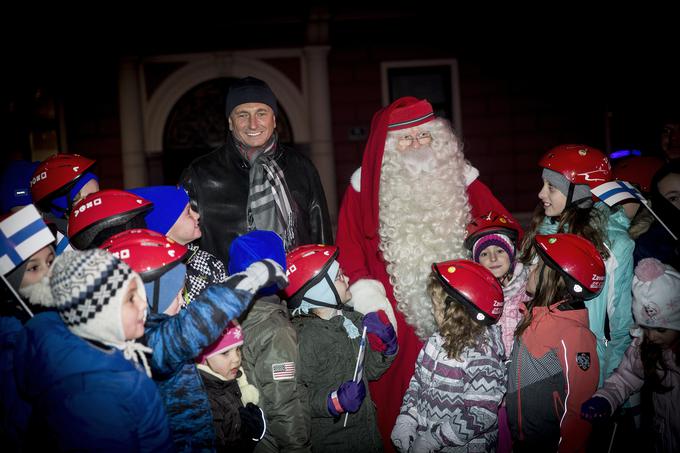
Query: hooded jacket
[[85, 397], [553, 370], [327, 359], [269, 339], [613, 304], [219, 183]]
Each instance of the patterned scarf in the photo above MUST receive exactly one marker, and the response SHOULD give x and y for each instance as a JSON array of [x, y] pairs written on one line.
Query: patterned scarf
[[269, 200]]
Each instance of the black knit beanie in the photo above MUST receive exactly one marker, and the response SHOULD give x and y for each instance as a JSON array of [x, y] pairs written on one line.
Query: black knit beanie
[[250, 89]]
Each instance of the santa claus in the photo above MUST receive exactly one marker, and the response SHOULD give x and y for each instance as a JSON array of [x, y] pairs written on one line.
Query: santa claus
[[406, 208]]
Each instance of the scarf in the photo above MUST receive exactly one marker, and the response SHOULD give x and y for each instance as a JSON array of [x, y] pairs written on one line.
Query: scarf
[[269, 200]]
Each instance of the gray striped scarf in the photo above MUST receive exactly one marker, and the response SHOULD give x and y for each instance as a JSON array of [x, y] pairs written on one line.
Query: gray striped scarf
[[269, 200]]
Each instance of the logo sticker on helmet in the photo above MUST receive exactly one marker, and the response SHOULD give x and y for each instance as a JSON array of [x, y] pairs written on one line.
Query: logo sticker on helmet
[[583, 152], [88, 205], [583, 360], [451, 269], [552, 240]]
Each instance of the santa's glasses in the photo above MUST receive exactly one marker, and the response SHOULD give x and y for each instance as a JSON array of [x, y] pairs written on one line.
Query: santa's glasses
[[423, 138]]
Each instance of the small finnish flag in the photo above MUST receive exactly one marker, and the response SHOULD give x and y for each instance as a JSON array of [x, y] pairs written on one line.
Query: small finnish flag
[[617, 191], [21, 235]]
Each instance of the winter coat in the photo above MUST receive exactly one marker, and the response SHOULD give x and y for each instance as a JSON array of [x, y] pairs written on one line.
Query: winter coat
[[15, 410], [176, 342], [327, 359], [269, 354], [451, 405], [85, 396], [360, 257], [629, 378], [614, 301], [219, 183], [514, 295], [225, 400], [553, 370]]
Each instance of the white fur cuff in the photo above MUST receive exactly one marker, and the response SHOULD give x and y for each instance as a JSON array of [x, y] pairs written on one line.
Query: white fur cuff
[[368, 296]]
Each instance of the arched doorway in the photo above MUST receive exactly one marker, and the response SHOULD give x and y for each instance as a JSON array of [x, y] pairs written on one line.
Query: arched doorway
[[197, 124]]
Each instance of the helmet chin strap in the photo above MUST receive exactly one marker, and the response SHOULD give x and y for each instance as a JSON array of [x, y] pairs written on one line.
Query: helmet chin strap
[[338, 303]]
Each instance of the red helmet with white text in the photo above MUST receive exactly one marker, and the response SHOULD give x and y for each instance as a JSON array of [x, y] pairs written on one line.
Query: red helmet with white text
[[474, 287], [307, 265], [576, 259], [56, 174], [148, 253], [102, 211]]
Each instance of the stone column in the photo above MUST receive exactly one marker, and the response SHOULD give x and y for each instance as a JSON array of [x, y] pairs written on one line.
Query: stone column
[[321, 145], [131, 124]]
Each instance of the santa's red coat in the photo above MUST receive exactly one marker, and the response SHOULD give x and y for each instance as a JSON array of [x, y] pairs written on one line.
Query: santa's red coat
[[361, 258]]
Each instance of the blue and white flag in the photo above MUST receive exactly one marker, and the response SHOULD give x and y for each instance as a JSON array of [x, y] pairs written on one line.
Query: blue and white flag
[[21, 235], [617, 191]]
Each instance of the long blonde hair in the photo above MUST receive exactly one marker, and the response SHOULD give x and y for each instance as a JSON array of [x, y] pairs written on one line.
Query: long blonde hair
[[457, 328]]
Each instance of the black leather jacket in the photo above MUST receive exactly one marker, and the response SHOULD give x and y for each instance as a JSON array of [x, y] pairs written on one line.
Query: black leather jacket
[[218, 183]]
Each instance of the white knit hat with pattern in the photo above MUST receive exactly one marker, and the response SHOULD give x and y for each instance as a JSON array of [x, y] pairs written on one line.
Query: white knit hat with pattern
[[656, 295], [88, 290]]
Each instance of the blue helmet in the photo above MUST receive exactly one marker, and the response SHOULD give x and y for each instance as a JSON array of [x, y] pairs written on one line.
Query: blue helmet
[[15, 184]]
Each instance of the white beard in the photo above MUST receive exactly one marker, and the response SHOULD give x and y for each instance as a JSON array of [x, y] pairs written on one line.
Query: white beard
[[423, 214]]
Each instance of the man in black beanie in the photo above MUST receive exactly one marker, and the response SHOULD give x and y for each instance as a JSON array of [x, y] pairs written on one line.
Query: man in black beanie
[[252, 182]]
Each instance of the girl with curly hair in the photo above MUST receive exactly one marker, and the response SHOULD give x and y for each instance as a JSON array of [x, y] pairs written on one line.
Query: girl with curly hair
[[459, 380]]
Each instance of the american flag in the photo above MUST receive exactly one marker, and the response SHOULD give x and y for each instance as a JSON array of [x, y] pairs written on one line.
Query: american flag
[[283, 371]]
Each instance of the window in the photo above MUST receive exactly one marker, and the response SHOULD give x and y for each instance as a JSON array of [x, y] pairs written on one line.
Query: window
[[434, 80]]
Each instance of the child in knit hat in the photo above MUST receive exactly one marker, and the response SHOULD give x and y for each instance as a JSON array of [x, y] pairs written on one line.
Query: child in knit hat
[[329, 333], [238, 427], [173, 216], [80, 366], [492, 240], [652, 360]]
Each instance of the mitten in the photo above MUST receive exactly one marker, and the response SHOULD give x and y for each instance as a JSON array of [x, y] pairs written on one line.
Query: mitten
[[347, 398], [381, 334], [258, 275], [596, 409], [253, 424]]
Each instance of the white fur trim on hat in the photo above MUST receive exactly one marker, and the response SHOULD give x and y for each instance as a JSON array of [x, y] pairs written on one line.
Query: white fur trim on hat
[[656, 295], [368, 296], [355, 180], [470, 173]]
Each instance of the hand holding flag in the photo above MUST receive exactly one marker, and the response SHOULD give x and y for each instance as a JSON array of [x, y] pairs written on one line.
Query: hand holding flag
[[614, 192]]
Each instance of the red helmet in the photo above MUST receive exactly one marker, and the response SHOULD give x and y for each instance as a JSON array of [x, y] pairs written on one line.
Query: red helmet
[[576, 259], [56, 173], [307, 265], [101, 210], [474, 286], [580, 164], [148, 253], [638, 170], [490, 223]]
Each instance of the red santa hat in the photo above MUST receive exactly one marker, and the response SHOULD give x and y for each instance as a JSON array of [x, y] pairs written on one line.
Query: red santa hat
[[401, 114]]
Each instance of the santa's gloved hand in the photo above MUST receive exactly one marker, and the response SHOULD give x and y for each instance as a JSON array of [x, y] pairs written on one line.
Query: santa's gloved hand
[[596, 409], [253, 423], [381, 334], [347, 398], [258, 275]]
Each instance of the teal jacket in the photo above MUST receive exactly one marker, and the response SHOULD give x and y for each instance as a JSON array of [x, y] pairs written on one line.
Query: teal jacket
[[615, 298]]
